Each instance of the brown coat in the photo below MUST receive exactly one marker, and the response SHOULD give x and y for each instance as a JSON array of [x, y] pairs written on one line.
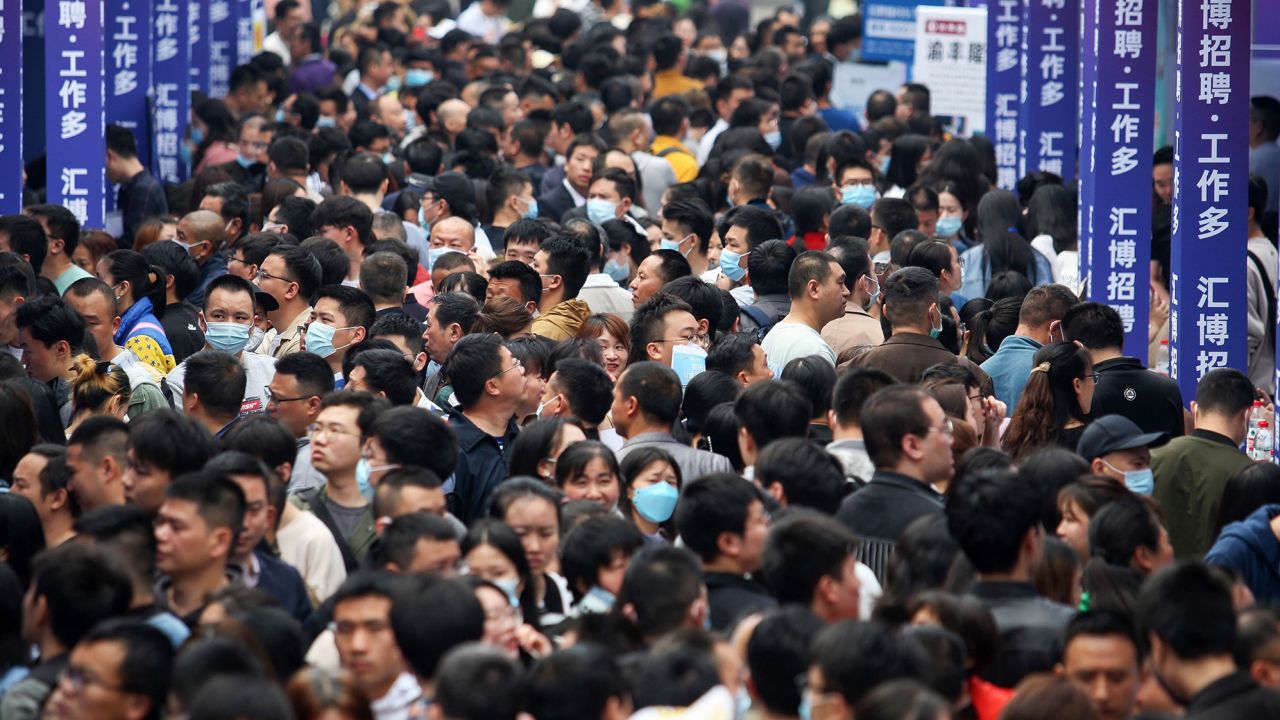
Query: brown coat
[[907, 355]]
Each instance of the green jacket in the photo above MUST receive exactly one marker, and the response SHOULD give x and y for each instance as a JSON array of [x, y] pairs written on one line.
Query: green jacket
[[1190, 475], [354, 548]]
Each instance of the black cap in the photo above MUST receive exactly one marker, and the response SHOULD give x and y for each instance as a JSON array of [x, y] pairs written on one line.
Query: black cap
[[1115, 432], [264, 300], [455, 189]]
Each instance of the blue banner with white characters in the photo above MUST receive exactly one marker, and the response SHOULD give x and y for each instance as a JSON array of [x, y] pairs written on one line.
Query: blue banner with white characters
[[199, 41], [1047, 99], [75, 117], [1208, 313], [128, 62], [889, 29], [1116, 159], [222, 46], [171, 94], [1004, 52], [11, 46]]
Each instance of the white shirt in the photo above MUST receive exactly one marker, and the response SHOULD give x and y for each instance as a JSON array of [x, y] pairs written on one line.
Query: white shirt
[[308, 545], [709, 140], [788, 341], [259, 369], [603, 295], [578, 198], [474, 21]]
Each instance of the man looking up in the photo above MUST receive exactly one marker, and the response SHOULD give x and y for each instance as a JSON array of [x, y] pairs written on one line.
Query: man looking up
[[908, 437], [202, 233], [349, 223], [340, 319], [227, 318], [563, 264], [816, 284], [294, 394], [291, 277], [488, 383], [646, 403], [63, 231], [342, 502], [196, 532]]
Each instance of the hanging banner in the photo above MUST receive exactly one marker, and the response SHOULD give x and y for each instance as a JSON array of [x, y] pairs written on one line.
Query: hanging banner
[[11, 105], [199, 41], [1210, 191], [889, 29], [1113, 178], [222, 46], [171, 99], [1004, 47], [76, 129], [1087, 98], [33, 76], [128, 63], [243, 11], [1047, 101], [951, 59]]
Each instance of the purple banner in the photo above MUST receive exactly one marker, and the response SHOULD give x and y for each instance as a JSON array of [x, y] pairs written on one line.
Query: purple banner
[[1210, 191], [1088, 90], [171, 98], [1047, 109], [222, 46], [199, 41], [11, 105], [75, 148], [129, 71], [1113, 177], [33, 77], [1004, 46], [251, 20]]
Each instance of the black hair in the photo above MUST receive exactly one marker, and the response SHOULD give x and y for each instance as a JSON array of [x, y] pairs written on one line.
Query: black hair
[[852, 391], [694, 216], [1248, 489], [431, 616], [62, 224], [218, 379], [656, 389], [703, 298], [413, 436], [21, 534], [145, 280], [473, 361], [989, 512], [801, 550], [713, 505], [575, 683], [661, 584], [312, 373], [245, 697], [1094, 325], [388, 372], [587, 388], [810, 476], [176, 263], [732, 353], [1224, 391], [1109, 623], [592, 545], [26, 237], [398, 543], [1050, 469], [778, 652], [849, 221], [264, 438], [342, 211], [219, 501], [760, 224], [498, 535], [51, 320], [567, 258], [769, 266], [173, 441], [147, 662], [855, 657], [773, 409], [1188, 606], [82, 585], [477, 681]]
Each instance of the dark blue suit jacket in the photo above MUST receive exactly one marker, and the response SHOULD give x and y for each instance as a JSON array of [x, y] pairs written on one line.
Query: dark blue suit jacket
[[283, 582]]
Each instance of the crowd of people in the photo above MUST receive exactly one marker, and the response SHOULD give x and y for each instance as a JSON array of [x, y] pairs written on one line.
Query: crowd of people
[[594, 366]]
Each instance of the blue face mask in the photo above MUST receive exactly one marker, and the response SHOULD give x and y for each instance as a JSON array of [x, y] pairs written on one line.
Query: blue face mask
[[197, 135], [602, 596], [656, 502], [729, 265], [243, 161], [948, 226], [511, 588], [435, 254], [388, 157], [531, 213], [884, 165], [600, 210], [184, 154], [1141, 482], [363, 471], [417, 77], [861, 195], [617, 271], [320, 339], [280, 115], [324, 122], [742, 703], [393, 84], [805, 710], [227, 336], [774, 139]]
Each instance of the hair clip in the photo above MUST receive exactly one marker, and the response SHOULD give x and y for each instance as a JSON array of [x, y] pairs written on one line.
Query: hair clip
[[1042, 367]]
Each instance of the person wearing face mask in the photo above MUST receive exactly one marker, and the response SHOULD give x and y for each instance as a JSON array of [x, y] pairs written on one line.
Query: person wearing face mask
[[856, 327], [511, 199], [341, 318], [227, 319], [911, 305], [203, 233], [1039, 324], [1118, 449]]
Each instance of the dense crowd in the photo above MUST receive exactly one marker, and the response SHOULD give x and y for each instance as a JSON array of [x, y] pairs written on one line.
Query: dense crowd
[[595, 365]]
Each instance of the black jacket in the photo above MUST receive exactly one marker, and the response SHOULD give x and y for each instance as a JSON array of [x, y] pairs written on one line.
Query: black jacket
[[1030, 630], [887, 505], [482, 465], [1234, 697], [282, 581], [553, 205], [733, 597], [1151, 400]]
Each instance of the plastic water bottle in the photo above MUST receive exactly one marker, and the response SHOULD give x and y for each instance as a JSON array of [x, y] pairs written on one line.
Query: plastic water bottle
[[1262, 443], [1255, 418], [1162, 358]]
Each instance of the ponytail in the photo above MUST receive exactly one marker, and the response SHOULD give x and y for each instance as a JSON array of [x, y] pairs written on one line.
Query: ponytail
[[157, 280], [95, 383]]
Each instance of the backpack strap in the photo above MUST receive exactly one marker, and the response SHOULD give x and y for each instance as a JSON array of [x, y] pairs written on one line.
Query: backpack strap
[[1270, 289], [315, 503]]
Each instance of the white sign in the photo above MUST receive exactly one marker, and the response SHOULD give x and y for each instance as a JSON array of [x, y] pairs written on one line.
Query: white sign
[[951, 59], [852, 83]]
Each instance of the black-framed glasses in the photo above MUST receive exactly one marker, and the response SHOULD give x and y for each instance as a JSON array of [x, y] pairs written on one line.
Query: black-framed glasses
[[263, 275], [273, 398], [76, 679], [1094, 376]]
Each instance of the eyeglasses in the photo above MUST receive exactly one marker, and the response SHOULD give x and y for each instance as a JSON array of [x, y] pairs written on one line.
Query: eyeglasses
[[516, 365], [347, 628], [860, 183], [1095, 376], [507, 614], [273, 398], [314, 430], [76, 679], [263, 275], [701, 341], [947, 428]]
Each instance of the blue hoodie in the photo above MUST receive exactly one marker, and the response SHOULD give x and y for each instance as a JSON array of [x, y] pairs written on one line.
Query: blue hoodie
[[1250, 548]]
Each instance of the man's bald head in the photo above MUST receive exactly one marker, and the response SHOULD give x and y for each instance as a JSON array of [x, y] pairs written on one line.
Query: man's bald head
[[453, 115], [453, 232], [204, 226]]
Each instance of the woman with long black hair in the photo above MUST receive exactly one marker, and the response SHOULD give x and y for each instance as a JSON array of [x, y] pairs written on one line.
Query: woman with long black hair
[[1003, 246], [139, 290]]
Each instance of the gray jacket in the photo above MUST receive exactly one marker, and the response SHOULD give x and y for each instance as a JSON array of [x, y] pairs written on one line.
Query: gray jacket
[[693, 463]]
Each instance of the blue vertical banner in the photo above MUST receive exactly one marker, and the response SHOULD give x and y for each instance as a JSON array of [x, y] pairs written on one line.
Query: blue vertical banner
[[198, 20], [11, 106], [1210, 191], [171, 94], [222, 46], [76, 148], [1047, 109], [128, 30], [32, 77], [1088, 90], [1113, 178], [1004, 48], [243, 10]]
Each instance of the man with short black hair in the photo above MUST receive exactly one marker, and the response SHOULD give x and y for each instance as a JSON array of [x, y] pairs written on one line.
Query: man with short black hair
[[578, 389], [488, 382], [418, 543], [385, 373], [777, 650], [518, 281], [994, 516], [130, 658], [214, 390], [857, 326], [73, 588], [41, 476], [659, 325], [349, 223], [686, 228], [1101, 655], [646, 403], [816, 286], [1039, 324], [1187, 613], [768, 411], [367, 647], [96, 453], [63, 231], [293, 398], [1125, 385], [743, 229], [663, 591], [562, 264], [162, 445], [740, 356], [291, 276], [51, 334], [850, 659], [655, 271], [908, 437], [230, 201], [140, 195], [811, 560], [911, 306], [889, 216], [572, 187], [429, 617], [196, 531], [1192, 470], [340, 319]]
